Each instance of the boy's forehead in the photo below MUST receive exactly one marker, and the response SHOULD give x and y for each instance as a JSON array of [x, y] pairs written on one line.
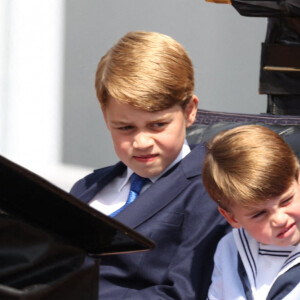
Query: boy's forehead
[[131, 114], [274, 199], [119, 106], [151, 103]]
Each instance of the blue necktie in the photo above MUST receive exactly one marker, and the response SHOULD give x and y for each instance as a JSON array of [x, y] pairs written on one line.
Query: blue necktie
[[137, 183]]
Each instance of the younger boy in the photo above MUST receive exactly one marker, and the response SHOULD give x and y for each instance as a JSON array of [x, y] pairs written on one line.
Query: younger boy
[[145, 88], [253, 175]]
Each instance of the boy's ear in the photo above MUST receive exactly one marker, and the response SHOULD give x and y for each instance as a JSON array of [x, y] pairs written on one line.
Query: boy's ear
[[229, 217], [191, 110]]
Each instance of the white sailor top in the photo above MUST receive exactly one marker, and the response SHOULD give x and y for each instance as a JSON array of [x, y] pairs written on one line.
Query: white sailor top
[[247, 270]]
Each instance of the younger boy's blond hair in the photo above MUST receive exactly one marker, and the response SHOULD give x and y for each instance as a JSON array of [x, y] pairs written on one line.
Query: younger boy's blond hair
[[247, 165], [147, 70]]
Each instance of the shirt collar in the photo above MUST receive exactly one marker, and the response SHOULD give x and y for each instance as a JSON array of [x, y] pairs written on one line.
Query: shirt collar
[[185, 150]]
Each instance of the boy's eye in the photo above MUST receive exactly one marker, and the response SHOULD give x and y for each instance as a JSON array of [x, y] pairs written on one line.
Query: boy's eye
[[124, 128], [159, 125], [258, 214], [286, 201]]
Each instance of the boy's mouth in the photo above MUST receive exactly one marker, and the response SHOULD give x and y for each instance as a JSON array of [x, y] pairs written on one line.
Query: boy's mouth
[[287, 231], [145, 158]]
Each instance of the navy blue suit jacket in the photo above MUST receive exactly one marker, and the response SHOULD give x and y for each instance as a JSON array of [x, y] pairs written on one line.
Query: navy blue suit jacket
[[178, 215]]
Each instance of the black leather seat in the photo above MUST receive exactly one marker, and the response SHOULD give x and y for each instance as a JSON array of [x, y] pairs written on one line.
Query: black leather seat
[[209, 123]]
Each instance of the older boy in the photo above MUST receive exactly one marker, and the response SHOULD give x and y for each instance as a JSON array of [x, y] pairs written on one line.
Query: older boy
[[253, 175], [145, 88]]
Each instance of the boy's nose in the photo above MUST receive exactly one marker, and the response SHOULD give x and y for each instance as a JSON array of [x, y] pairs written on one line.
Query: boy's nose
[[142, 140], [279, 219]]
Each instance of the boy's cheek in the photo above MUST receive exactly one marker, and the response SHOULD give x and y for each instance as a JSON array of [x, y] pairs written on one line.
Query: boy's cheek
[[295, 210]]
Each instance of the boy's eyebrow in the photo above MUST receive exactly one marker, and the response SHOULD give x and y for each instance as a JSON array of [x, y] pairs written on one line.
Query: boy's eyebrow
[[161, 119], [252, 211], [165, 118], [120, 122]]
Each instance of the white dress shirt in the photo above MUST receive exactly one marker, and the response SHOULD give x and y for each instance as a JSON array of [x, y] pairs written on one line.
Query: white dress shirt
[[114, 195]]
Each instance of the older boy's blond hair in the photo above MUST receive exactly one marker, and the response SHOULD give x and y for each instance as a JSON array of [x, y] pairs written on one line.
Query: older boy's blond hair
[[147, 70], [247, 165]]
